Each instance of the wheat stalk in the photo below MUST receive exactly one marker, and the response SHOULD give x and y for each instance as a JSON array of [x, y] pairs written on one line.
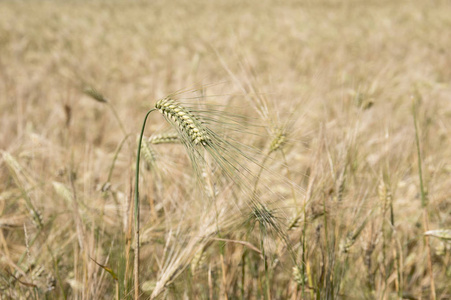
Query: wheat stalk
[[136, 204]]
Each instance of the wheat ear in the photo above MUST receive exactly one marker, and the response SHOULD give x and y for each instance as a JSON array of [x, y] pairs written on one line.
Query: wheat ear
[[164, 138], [188, 125]]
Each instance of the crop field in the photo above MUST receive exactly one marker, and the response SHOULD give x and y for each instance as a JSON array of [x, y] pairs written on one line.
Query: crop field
[[292, 150]]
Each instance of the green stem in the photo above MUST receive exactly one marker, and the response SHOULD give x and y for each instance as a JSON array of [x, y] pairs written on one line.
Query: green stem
[[136, 204], [116, 154], [243, 273], [254, 194], [424, 203], [266, 293], [116, 115], [293, 192], [420, 170]]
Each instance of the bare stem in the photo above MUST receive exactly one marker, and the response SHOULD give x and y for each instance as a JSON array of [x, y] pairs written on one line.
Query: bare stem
[[424, 204], [136, 205], [116, 115]]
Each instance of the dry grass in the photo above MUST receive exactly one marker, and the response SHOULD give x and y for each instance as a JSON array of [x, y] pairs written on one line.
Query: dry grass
[[334, 212]]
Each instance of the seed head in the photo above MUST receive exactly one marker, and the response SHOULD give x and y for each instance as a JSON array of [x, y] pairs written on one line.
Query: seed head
[[189, 125], [94, 94], [278, 142], [149, 155], [385, 195], [164, 138]]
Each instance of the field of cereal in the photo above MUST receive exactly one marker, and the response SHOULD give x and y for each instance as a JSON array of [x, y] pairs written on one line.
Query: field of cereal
[[319, 157]]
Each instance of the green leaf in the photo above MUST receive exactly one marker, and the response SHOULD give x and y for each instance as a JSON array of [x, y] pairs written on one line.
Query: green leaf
[[109, 270]]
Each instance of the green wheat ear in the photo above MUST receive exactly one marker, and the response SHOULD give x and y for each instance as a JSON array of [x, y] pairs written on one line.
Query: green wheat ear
[[164, 138], [149, 155], [189, 125], [279, 140], [94, 94]]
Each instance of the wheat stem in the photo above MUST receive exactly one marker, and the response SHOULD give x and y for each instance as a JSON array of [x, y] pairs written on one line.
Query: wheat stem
[[116, 154], [424, 203], [136, 259], [267, 292], [119, 121]]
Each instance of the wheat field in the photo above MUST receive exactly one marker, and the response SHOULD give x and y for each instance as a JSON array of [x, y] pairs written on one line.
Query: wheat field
[[298, 150]]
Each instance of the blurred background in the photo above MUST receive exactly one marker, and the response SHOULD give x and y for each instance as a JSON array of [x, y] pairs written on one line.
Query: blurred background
[[351, 78]]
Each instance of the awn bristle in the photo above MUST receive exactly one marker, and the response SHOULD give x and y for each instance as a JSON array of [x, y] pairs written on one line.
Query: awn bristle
[[264, 216], [188, 124]]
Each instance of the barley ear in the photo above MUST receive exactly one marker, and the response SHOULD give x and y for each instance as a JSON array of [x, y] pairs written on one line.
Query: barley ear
[[164, 138], [94, 94], [188, 125], [278, 141]]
